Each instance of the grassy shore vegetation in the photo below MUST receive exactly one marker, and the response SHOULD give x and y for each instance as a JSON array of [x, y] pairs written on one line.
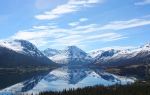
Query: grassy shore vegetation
[[138, 88]]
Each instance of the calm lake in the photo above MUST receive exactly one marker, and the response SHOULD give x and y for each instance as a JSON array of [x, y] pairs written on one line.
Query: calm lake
[[58, 80]]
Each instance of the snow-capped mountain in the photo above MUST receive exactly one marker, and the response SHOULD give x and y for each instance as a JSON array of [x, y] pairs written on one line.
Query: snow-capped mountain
[[74, 55], [122, 56], [21, 46], [70, 55], [21, 52], [102, 53], [94, 53]]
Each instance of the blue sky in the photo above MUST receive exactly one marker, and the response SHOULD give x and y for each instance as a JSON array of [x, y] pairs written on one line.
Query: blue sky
[[88, 24]]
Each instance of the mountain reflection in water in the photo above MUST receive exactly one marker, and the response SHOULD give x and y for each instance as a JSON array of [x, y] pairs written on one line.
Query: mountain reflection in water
[[65, 78]]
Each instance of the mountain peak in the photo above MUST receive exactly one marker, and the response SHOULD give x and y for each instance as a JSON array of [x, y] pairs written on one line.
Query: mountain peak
[[21, 46], [69, 55], [71, 47], [147, 45], [11, 44], [74, 49]]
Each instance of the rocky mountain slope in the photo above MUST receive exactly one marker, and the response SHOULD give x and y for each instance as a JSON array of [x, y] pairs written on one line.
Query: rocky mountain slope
[[71, 55], [21, 53], [122, 57]]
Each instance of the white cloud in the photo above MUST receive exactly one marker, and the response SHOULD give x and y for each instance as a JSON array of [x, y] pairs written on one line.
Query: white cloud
[[143, 2], [69, 7], [83, 19], [80, 35], [113, 25], [78, 22], [45, 36], [118, 25], [74, 23], [110, 36]]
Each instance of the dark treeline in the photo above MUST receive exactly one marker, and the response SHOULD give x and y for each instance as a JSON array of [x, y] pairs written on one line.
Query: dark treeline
[[134, 89]]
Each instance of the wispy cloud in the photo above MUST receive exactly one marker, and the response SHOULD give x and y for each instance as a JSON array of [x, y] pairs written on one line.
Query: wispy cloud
[[78, 22], [52, 35], [74, 23], [69, 7], [83, 19], [118, 25], [45, 36], [143, 2]]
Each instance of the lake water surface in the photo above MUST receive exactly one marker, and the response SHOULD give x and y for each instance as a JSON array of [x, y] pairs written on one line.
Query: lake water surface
[[60, 79]]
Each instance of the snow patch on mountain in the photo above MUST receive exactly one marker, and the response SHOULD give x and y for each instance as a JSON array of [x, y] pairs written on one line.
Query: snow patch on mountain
[[102, 56], [13, 45], [94, 53], [69, 55], [21, 46]]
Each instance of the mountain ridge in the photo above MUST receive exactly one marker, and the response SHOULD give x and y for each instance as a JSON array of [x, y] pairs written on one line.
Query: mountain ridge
[[110, 56], [13, 50], [21, 53], [70, 55]]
